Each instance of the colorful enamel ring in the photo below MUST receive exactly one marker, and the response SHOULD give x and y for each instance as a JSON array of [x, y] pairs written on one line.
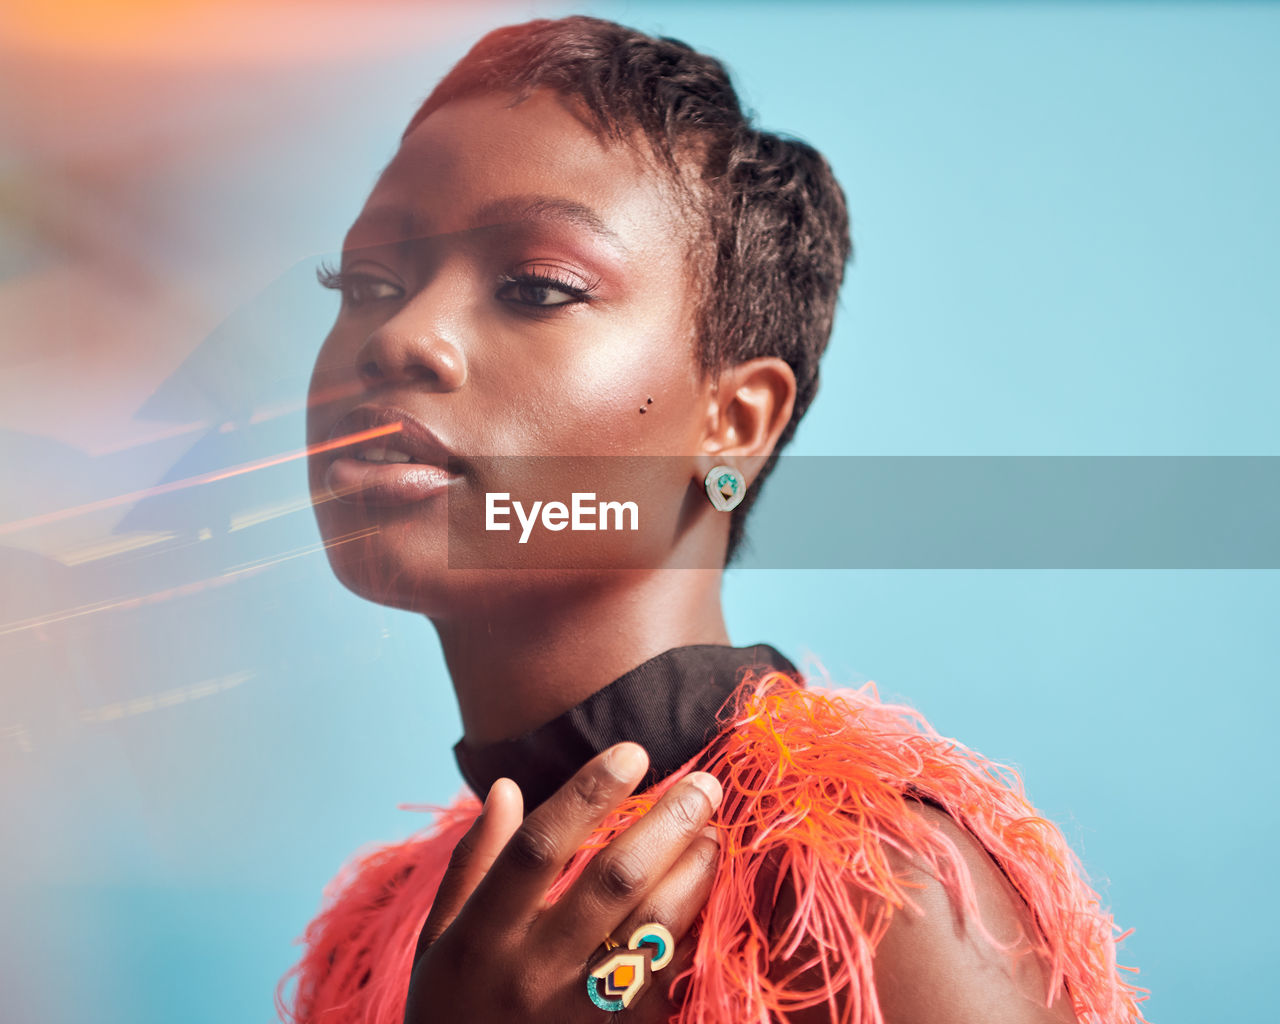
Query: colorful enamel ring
[[621, 975]]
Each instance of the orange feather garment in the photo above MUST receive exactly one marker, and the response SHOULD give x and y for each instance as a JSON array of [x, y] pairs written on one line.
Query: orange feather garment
[[818, 782]]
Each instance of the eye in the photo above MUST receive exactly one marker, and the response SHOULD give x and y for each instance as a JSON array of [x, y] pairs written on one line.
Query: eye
[[357, 289], [540, 290]]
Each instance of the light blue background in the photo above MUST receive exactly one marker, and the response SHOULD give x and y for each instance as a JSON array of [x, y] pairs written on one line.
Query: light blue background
[[1065, 224]]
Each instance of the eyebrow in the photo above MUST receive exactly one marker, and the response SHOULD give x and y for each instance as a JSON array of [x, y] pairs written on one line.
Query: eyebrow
[[404, 228]]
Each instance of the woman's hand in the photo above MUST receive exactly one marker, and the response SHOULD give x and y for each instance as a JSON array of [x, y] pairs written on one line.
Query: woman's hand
[[493, 950]]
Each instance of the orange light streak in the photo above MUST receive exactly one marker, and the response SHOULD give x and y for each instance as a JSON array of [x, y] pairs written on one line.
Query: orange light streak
[[195, 481]]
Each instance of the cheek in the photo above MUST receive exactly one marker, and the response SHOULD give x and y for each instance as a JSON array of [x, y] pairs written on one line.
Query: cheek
[[637, 394]]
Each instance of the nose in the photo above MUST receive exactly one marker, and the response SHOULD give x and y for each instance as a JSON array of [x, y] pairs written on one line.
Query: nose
[[413, 347]]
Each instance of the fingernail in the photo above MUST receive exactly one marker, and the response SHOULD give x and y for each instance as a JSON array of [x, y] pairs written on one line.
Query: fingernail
[[489, 796], [628, 760], [710, 785], [712, 833]]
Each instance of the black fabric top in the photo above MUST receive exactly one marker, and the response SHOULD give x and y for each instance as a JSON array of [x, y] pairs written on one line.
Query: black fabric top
[[668, 705]]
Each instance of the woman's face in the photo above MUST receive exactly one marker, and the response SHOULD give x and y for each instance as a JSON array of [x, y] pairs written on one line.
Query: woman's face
[[522, 288]]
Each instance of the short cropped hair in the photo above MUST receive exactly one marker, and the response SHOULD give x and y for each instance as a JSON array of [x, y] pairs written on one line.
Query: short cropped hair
[[773, 215]]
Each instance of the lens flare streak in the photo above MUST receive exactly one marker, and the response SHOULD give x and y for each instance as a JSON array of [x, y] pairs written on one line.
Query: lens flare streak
[[203, 478], [164, 699], [182, 590]]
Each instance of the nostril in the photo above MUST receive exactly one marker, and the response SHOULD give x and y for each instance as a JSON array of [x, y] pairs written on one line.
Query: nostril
[[406, 355]]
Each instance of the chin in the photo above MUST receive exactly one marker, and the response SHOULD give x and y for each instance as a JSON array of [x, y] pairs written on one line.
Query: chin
[[368, 570], [388, 560], [379, 573], [399, 571]]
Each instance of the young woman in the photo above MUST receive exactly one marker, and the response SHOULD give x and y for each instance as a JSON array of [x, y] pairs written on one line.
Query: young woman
[[583, 260]]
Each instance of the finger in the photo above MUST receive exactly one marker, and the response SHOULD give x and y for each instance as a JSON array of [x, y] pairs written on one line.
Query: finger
[[513, 889], [472, 857], [626, 871], [679, 898], [676, 904]]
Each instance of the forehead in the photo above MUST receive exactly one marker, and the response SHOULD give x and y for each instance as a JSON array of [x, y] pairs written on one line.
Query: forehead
[[482, 162]]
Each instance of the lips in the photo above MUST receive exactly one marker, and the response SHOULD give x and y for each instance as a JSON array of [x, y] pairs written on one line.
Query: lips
[[373, 469]]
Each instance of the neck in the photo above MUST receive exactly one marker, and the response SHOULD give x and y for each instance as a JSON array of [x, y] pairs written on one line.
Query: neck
[[515, 670]]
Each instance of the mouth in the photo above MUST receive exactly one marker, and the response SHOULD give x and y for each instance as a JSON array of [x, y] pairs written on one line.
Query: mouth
[[392, 458], [382, 456]]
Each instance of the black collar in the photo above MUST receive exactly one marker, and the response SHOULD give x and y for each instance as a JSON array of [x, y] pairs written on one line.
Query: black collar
[[668, 705]]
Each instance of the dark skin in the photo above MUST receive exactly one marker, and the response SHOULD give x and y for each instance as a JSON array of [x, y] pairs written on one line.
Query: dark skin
[[511, 323]]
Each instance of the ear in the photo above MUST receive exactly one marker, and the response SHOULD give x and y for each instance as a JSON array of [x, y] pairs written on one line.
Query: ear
[[749, 406]]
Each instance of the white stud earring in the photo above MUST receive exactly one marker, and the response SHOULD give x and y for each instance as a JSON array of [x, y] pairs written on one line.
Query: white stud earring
[[726, 487]]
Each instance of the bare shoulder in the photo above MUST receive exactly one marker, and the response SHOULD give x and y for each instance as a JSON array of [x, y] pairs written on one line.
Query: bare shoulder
[[934, 964]]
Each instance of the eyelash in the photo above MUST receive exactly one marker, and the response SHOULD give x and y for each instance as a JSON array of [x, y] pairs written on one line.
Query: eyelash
[[536, 280], [329, 277]]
